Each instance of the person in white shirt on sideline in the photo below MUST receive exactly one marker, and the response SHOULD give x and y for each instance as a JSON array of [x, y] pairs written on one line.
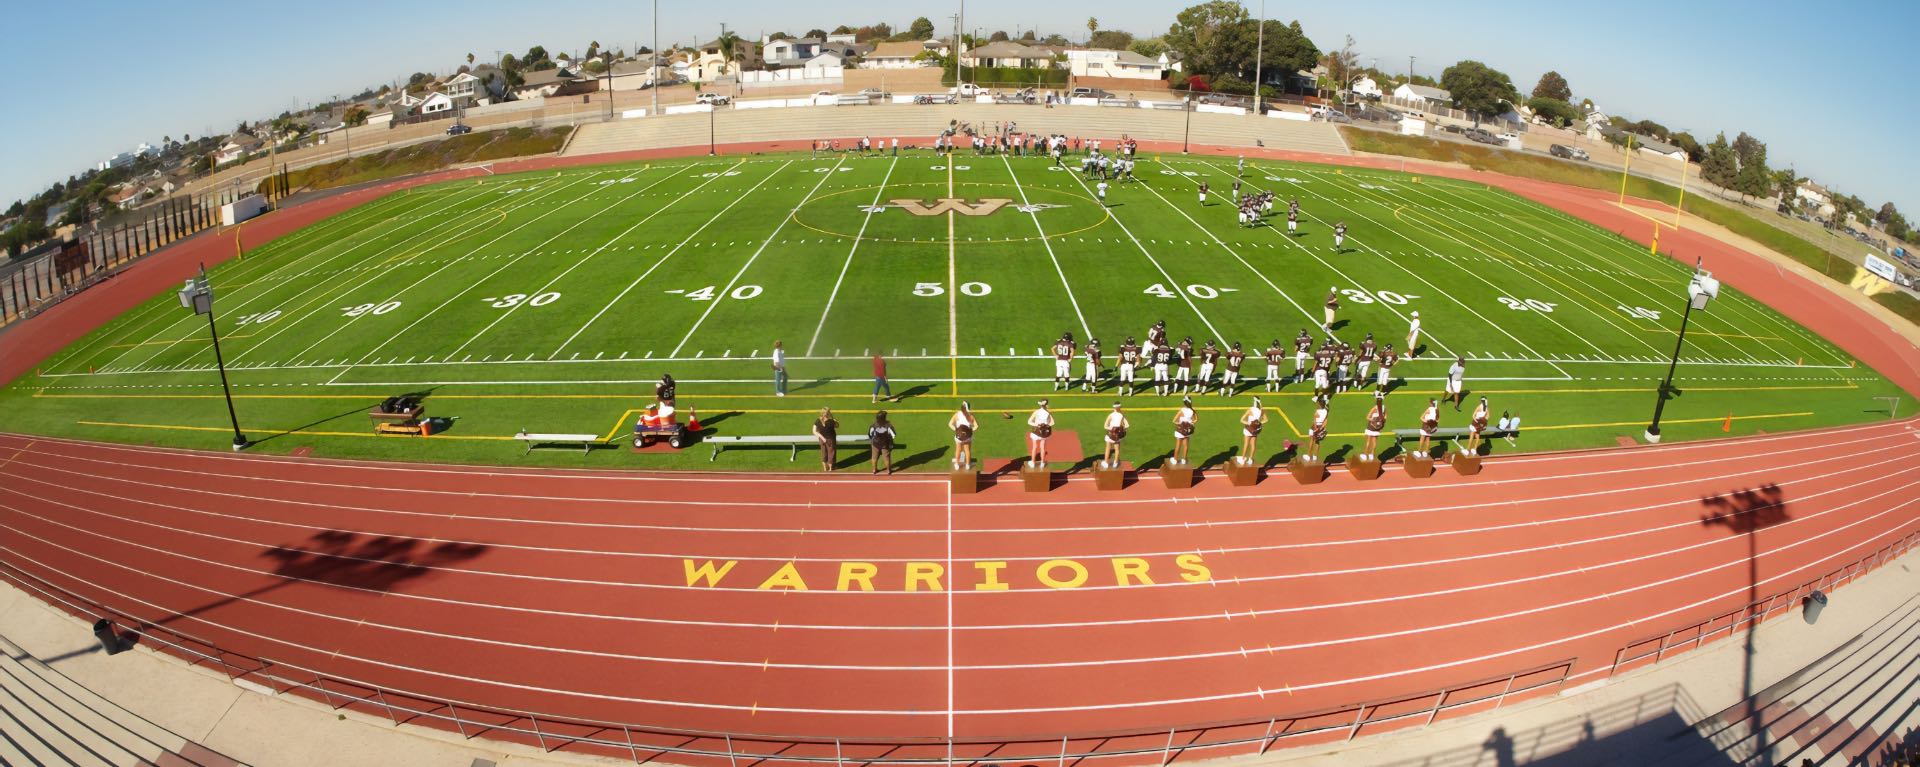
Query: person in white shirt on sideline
[[779, 370], [1250, 424], [963, 424]]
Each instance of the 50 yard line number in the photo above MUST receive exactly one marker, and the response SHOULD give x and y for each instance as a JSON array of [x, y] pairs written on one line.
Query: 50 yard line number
[[974, 289]]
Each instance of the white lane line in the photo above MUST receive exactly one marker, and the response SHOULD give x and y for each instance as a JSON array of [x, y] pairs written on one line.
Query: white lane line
[[857, 239], [663, 259], [727, 292]]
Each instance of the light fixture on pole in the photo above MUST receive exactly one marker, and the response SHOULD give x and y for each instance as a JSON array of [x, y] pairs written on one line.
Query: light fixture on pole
[[1701, 289], [198, 296]]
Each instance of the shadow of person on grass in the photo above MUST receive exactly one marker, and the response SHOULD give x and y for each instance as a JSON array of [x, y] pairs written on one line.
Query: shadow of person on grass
[[921, 458]]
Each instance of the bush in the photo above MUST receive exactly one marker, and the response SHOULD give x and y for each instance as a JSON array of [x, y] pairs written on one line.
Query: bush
[[993, 76]]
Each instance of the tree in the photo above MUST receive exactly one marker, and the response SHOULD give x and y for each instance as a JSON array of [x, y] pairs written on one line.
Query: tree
[[595, 65], [509, 63], [535, 57], [1111, 39], [999, 36], [1479, 89], [817, 34], [1056, 39], [1690, 145], [469, 59], [729, 50], [842, 30], [1197, 30], [1093, 26], [1237, 47], [1887, 212], [1150, 47], [355, 115], [1720, 165], [1553, 86], [1560, 113], [593, 49], [921, 29], [1749, 150]]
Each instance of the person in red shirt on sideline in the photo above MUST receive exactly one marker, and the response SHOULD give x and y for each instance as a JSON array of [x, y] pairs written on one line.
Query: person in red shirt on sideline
[[880, 379]]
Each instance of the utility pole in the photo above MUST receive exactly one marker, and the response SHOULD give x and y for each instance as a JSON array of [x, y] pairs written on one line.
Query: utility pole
[[1259, 54], [655, 74]]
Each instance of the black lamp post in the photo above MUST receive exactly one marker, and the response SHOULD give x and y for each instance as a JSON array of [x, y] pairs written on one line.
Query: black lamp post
[[196, 295], [1700, 290]]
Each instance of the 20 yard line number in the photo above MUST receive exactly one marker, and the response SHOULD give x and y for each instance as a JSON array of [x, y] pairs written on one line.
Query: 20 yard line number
[[1527, 304], [929, 289]]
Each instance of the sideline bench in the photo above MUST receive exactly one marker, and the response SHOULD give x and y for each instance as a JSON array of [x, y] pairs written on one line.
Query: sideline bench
[[585, 441], [793, 443]]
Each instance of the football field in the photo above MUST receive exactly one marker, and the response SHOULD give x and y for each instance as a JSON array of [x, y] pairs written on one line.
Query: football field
[[552, 301]]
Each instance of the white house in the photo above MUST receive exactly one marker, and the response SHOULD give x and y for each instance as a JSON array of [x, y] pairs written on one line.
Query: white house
[[1170, 61], [1815, 196], [466, 88], [711, 65], [1007, 54], [238, 145], [1366, 87], [539, 84], [790, 52], [1421, 94], [826, 65], [1098, 62], [900, 55], [937, 45], [434, 102], [1658, 148]]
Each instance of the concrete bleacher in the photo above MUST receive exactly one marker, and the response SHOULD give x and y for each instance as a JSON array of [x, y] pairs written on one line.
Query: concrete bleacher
[[49, 718], [924, 121]]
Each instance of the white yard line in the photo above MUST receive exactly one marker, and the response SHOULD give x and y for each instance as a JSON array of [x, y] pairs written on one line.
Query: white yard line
[[1435, 288], [742, 272], [1237, 257], [372, 278], [663, 259], [1150, 259], [193, 332], [1085, 330], [583, 259], [953, 272], [857, 238]]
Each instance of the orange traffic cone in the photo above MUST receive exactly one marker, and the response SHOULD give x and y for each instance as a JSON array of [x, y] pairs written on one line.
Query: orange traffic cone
[[693, 420], [1727, 425]]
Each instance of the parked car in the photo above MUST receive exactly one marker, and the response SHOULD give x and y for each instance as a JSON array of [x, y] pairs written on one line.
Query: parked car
[[968, 90], [1567, 152], [876, 94], [712, 99], [459, 129], [1088, 93], [1217, 99], [1480, 135]]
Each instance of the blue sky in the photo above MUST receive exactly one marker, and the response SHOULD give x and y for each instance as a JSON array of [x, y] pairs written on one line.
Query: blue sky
[[92, 79]]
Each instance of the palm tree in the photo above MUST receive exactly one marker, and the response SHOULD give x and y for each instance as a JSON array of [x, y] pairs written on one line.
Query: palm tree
[[1093, 26], [729, 50], [469, 59]]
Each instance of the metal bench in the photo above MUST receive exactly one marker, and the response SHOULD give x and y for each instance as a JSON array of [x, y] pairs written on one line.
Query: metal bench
[[794, 443], [585, 441]]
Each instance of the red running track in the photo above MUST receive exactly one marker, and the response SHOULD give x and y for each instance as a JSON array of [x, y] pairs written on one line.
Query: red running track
[[566, 593]]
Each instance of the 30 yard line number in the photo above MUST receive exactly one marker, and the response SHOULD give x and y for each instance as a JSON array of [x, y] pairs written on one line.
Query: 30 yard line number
[[515, 299], [974, 289], [1383, 296], [366, 309]]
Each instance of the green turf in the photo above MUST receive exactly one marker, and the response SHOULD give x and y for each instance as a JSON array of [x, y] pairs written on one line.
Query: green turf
[[551, 301]]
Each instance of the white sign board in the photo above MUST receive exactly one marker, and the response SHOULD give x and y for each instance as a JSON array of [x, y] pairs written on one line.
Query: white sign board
[[1881, 268], [628, 114], [1220, 109], [242, 209], [1410, 126], [1281, 114]]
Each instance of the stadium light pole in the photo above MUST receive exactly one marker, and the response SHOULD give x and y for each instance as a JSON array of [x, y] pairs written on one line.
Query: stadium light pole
[[1259, 53], [654, 74], [1701, 289], [198, 296]]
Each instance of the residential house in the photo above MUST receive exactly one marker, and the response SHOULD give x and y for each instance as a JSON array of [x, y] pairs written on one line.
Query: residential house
[[1172, 61], [1007, 54], [900, 55], [541, 84], [238, 145], [790, 52], [1365, 87], [465, 89], [639, 73], [938, 46], [826, 65], [847, 38], [1659, 148], [434, 102], [710, 65], [1099, 62], [1816, 197], [1424, 96], [125, 197]]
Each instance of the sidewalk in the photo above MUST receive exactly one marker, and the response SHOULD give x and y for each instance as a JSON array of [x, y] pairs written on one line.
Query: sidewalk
[[1844, 686]]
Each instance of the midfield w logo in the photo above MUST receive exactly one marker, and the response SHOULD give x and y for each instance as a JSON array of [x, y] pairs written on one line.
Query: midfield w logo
[[951, 204]]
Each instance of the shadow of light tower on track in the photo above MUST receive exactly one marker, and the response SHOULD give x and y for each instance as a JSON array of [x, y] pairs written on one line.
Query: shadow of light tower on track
[[334, 558], [1746, 512]]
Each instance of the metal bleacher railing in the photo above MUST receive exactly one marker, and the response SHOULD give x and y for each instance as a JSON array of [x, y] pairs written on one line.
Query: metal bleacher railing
[[643, 743], [1659, 647]]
